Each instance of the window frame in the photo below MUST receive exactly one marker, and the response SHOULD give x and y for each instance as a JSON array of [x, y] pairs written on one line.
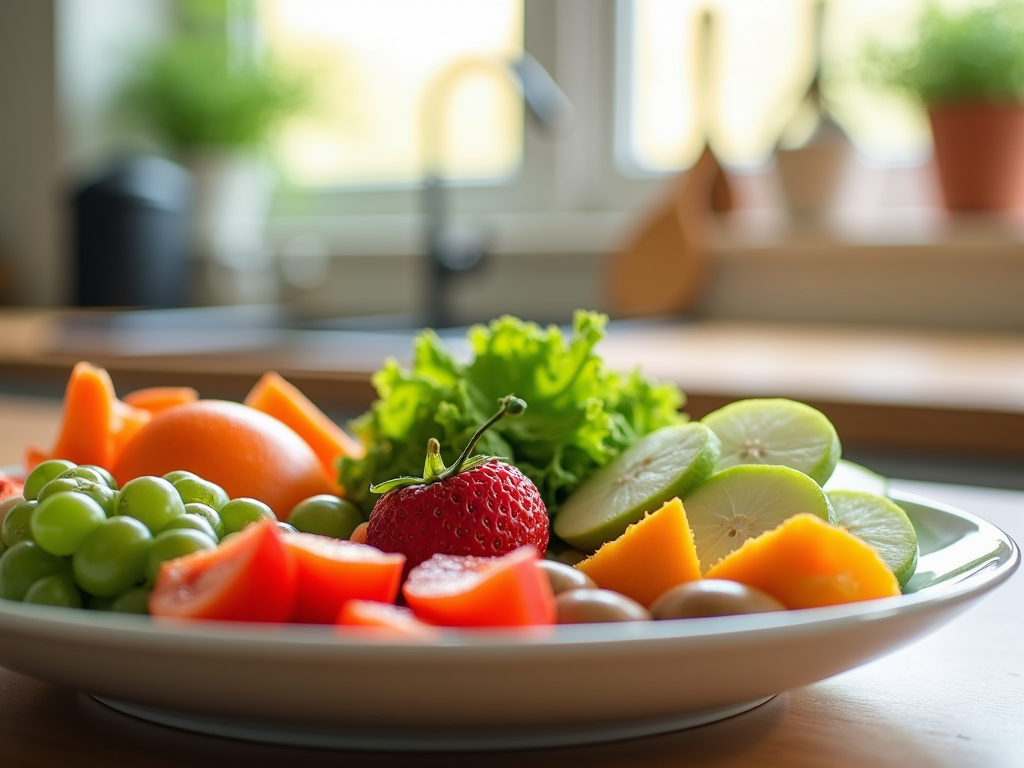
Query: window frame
[[570, 193]]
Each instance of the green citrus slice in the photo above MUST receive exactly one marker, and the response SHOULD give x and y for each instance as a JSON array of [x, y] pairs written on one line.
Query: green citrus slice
[[776, 431], [666, 463], [883, 525], [849, 476], [743, 502]]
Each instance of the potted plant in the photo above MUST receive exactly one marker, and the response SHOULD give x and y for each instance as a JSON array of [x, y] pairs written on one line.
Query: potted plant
[[212, 99], [966, 68]]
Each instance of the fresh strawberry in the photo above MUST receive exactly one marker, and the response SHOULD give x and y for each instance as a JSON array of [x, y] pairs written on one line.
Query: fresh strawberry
[[479, 506]]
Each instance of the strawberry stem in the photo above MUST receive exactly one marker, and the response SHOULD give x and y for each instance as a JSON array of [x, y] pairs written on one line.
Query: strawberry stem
[[434, 469], [510, 406], [434, 466]]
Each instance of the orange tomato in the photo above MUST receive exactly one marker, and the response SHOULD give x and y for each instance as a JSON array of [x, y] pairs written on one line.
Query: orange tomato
[[246, 452], [468, 591]]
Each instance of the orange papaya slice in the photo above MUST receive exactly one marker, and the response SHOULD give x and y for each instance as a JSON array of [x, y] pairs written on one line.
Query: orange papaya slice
[[276, 397], [95, 425], [651, 556], [159, 399], [807, 563]]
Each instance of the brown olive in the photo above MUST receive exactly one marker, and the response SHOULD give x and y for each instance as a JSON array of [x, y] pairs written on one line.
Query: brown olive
[[564, 577], [594, 606], [712, 597]]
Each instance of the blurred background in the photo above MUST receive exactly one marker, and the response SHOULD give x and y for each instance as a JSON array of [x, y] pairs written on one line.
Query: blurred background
[[451, 160]]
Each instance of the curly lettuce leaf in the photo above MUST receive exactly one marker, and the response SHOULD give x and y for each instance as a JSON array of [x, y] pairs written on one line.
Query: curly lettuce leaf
[[579, 416]]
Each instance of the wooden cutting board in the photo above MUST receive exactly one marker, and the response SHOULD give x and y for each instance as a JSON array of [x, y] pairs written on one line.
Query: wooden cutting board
[[664, 264]]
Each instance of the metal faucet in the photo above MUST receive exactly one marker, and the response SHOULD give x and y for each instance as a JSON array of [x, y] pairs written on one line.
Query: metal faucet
[[450, 253]]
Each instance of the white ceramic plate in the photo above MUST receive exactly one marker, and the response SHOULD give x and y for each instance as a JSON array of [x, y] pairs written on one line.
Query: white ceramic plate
[[496, 690]]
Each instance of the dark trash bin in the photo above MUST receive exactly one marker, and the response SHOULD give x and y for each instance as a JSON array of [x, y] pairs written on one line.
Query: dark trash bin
[[131, 236]]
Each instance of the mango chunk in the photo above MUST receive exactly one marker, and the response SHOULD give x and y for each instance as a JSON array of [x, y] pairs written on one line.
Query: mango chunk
[[808, 563], [651, 556]]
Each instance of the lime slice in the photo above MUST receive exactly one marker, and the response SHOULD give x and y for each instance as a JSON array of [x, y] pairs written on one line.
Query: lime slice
[[743, 502], [849, 476], [666, 463], [880, 523], [776, 431]]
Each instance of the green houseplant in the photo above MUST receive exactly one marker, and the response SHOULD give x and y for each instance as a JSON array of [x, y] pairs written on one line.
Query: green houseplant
[[212, 98], [966, 68]]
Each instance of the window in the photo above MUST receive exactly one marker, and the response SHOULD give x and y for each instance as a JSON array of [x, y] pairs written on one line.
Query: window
[[379, 69], [632, 69], [758, 61]]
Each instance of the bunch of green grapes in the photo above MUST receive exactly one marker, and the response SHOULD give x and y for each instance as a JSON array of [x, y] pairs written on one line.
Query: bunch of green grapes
[[75, 539]]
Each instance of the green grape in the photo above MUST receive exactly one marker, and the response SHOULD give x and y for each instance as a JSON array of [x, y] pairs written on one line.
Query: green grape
[[108, 479], [211, 516], [238, 513], [286, 527], [178, 474], [15, 527], [43, 473], [86, 473], [135, 600], [151, 500], [196, 490], [174, 543], [193, 522], [326, 515], [55, 589], [6, 506], [113, 557], [62, 521], [98, 492], [24, 564]]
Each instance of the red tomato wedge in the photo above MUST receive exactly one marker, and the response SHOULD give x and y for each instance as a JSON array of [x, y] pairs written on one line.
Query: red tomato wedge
[[384, 621], [9, 486], [467, 591], [332, 572], [249, 577]]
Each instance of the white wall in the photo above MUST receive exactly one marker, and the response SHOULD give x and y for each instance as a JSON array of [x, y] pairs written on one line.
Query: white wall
[[32, 228]]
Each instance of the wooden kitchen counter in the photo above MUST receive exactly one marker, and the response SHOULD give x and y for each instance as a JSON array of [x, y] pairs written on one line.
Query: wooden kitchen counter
[[922, 391]]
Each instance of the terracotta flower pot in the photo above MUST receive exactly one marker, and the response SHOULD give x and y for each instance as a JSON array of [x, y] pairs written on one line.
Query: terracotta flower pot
[[979, 151]]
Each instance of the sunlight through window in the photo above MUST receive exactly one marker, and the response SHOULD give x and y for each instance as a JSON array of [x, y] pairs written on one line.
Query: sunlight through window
[[378, 65]]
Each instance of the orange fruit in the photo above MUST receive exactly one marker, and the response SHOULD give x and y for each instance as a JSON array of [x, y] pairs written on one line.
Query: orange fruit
[[246, 452]]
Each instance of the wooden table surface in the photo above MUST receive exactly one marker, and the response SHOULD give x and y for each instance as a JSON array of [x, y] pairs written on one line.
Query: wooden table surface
[[952, 699]]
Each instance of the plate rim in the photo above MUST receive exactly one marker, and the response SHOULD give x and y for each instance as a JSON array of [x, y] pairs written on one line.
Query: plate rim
[[104, 628]]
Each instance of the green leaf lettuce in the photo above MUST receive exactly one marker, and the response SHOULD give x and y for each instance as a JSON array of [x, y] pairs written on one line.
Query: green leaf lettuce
[[579, 416]]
